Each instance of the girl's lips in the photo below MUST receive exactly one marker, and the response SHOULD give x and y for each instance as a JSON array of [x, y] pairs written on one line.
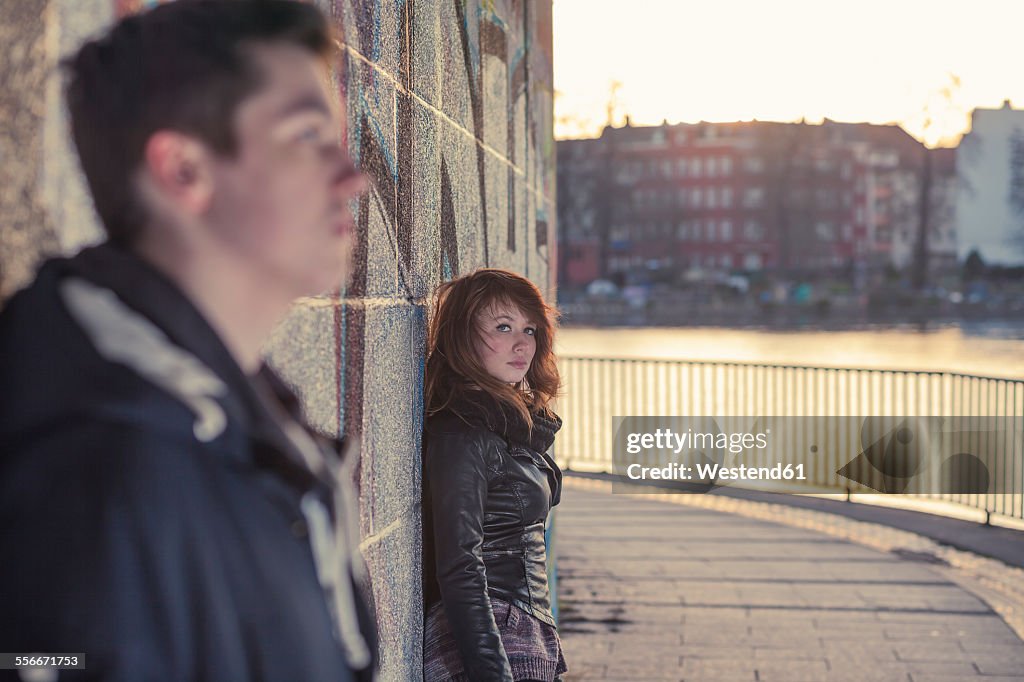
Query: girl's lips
[[518, 364]]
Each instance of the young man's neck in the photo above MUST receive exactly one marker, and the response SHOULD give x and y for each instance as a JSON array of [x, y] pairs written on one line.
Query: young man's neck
[[242, 309]]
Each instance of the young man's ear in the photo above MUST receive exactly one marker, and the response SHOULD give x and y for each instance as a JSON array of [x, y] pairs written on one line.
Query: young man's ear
[[178, 167]]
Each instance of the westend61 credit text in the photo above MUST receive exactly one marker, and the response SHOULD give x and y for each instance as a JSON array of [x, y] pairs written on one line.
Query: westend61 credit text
[[673, 471], [668, 440], [888, 454]]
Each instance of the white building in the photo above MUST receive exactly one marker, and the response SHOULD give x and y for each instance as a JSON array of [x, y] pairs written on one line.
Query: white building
[[985, 216]]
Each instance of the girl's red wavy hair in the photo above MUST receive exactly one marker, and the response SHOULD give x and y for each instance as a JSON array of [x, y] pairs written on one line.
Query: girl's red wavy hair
[[453, 367]]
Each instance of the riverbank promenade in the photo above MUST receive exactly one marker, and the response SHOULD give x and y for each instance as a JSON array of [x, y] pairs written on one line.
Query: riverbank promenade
[[700, 587]]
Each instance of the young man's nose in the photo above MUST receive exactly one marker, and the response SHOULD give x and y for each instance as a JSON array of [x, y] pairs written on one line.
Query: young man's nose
[[350, 180], [347, 179]]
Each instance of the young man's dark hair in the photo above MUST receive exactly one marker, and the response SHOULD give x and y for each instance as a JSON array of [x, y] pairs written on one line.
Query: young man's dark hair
[[165, 509], [182, 66]]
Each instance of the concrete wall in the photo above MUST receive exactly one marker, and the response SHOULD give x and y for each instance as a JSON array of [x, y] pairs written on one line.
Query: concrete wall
[[450, 111]]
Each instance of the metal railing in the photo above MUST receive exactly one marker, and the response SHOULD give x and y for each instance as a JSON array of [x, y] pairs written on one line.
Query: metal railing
[[598, 389]]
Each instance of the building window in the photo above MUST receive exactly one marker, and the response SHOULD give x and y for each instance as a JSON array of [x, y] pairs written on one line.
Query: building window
[[727, 197], [725, 164], [711, 199], [695, 167], [681, 167], [711, 167], [726, 231], [753, 164], [712, 236], [826, 198], [695, 197], [752, 231], [753, 197]]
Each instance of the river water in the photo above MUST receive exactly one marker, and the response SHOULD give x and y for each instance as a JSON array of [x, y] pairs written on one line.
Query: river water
[[986, 350], [596, 392]]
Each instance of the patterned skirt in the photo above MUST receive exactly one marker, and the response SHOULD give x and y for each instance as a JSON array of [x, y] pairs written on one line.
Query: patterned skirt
[[532, 646]]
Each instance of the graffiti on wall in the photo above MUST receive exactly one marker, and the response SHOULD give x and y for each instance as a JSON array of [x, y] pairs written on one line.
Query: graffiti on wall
[[449, 107]]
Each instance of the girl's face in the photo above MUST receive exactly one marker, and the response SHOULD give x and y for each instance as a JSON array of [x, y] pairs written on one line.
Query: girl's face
[[507, 342]]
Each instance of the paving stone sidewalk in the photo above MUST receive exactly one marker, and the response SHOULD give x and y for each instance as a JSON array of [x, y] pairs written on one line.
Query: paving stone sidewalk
[[655, 591]]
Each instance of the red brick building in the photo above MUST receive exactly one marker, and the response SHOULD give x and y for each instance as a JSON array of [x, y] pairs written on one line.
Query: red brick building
[[658, 202]]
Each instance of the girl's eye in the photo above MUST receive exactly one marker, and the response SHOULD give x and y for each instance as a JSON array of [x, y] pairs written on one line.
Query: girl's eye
[[531, 331], [504, 327]]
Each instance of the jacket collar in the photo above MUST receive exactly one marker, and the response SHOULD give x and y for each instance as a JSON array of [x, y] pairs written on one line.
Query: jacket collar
[[480, 407]]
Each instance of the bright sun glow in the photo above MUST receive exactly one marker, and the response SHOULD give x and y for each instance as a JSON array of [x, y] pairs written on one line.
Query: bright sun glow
[[881, 61]]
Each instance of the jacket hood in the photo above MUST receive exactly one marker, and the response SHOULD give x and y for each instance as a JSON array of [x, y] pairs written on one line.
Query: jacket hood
[[94, 332], [79, 337]]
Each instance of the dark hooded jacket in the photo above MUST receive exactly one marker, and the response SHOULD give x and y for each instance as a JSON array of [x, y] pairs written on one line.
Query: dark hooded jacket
[[154, 515], [488, 485]]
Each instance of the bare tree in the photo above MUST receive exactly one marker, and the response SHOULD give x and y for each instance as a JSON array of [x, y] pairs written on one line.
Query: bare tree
[[1017, 183], [946, 96]]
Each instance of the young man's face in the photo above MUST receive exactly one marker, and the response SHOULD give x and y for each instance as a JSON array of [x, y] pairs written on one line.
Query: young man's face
[[282, 203]]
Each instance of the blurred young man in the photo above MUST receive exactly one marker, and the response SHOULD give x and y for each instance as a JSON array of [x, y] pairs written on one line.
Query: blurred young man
[[163, 508]]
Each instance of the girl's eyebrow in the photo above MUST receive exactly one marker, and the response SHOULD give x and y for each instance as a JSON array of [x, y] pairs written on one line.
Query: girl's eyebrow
[[528, 323]]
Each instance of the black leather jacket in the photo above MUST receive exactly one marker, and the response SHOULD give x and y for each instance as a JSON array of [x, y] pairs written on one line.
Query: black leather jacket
[[487, 491]]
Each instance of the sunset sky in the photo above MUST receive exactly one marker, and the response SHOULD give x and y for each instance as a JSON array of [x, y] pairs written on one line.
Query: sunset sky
[[880, 61]]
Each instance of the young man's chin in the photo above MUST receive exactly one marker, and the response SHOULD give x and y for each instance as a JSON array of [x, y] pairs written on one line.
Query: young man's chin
[[330, 286], [329, 278]]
